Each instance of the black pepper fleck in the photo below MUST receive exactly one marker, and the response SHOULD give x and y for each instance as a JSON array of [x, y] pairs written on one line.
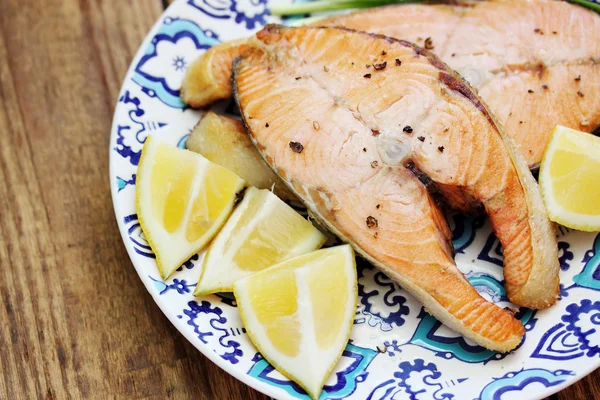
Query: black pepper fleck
[[580, 93], [296, 147], [379, 67], [578, 78], [441, 149], [453, 55], [368, 76], [407, 129], [375, 132], [429, 44], [520, 122], [267, 125], [421, 138], [375, 235], [554, 33], [398, 62], [545, 87], [530, 91], [239, 196], [372, 222], [298, 78], [365, 149], [368, 65], [377, 206], [374, 164], [383, 53], [510, 310], [325, 68]]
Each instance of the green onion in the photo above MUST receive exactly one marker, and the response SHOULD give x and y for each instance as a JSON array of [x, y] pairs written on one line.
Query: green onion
[[330, 5], [305, 21], [592, 5], [333, 5]]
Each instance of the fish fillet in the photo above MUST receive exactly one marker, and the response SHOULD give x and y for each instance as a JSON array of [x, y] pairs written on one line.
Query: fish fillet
[[351, 142], [536, 63]]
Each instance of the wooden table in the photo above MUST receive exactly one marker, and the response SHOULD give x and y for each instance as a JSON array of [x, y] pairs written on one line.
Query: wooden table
[[75, 320]]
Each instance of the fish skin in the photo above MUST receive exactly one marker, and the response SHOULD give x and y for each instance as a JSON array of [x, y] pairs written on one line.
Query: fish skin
[[494, 44], [385, 211]]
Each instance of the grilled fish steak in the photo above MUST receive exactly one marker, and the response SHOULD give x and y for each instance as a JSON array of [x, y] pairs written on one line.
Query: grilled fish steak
[[535, 63], [348, 140]]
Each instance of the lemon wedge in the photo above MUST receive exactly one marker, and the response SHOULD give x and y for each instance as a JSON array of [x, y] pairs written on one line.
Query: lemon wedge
[[261, 232], [182, 200], [299, 313], [570, 179]]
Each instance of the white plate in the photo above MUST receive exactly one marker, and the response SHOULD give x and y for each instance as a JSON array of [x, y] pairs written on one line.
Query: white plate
[[420, 358]]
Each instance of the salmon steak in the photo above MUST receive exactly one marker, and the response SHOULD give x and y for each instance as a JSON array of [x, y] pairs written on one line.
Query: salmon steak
[[363, 147], [535, 63]]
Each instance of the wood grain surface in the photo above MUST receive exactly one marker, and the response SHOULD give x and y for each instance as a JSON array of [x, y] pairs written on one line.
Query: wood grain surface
[[75, 320]]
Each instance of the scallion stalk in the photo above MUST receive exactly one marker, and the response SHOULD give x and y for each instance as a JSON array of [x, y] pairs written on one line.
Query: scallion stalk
[[592, 5], [329, 5], [333, 5]]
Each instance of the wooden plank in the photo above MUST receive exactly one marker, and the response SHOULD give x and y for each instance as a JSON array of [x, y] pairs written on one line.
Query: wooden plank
[[77, 321], [587, 388]]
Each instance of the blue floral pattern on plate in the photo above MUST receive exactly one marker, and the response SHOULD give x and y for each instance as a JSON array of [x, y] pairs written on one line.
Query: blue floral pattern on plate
[[385, 292], [397, 351], [355, 360], [506, 386], [413, 380], [174, 45], [590, 276], [251, 13]]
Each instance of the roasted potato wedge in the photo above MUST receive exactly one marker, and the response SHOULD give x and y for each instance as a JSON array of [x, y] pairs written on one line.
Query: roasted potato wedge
[[224, 141]]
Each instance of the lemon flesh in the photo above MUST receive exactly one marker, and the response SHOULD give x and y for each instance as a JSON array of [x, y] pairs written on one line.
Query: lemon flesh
[[261, 232], [570, 179], [182, 201], [299, 313]]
